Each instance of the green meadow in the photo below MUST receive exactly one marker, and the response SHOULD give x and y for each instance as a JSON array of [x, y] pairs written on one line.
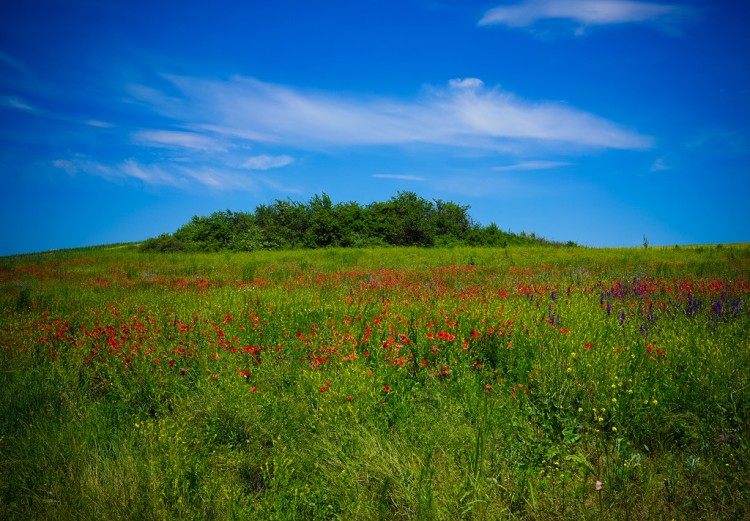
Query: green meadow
[[526, 382]]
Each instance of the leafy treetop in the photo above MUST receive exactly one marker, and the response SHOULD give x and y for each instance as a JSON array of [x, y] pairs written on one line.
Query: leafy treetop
[[404, 220]]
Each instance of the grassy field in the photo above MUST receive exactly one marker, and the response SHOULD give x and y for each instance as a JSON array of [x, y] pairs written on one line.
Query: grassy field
[[518, 383]]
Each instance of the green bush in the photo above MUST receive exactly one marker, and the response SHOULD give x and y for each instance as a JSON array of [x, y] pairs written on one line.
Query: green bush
[[404, 220]]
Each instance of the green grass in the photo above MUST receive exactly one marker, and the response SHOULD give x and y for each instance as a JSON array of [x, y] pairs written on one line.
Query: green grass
[[390, 383]]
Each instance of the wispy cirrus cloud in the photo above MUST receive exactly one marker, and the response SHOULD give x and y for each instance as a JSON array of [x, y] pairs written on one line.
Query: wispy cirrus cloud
[[167, 174], [266, 162], [14, 102], [531, 165], [8, 61], [660, 164], [208, 125], [585, 13], [98, 123], [400, 177], [465, 113], [130, 168], [180, 139]]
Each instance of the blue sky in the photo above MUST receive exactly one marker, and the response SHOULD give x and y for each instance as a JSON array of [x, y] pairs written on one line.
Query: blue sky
[[597, 121]]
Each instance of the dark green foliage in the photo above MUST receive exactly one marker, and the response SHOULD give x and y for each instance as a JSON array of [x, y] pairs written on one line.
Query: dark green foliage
[[164, 243], [404, 220]]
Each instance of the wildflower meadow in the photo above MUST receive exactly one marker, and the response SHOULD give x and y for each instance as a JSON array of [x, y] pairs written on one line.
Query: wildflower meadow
[[524, 382]]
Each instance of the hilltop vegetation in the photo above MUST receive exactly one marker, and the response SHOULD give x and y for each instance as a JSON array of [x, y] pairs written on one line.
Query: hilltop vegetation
[[405, 220]]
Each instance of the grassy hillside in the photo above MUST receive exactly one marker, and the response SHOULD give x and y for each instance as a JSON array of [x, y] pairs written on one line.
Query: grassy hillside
[[383, 383]]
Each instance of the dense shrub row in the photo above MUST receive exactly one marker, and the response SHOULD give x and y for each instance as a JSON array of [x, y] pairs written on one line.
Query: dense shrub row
[[405, 220]]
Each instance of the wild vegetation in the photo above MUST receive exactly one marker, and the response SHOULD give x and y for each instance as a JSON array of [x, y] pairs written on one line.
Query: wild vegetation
[[405, 220], [383, 383]]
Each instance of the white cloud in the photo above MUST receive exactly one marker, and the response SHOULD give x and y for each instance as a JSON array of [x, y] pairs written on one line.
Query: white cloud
[[69, 167], [97, 123], [659, 165], [15, 102], [167, 174], [265, 162], [150, 174], [84, 165], [13, 63], [531, 165], [401, 177], [464, 114], [172, 139], [466, 83], [214, 122], [583, 12]]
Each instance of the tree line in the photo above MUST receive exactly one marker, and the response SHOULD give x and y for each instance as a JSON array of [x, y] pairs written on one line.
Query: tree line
[[404, 220]]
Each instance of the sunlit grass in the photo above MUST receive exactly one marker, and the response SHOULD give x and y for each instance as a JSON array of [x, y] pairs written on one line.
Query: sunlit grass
[[376, 384]]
